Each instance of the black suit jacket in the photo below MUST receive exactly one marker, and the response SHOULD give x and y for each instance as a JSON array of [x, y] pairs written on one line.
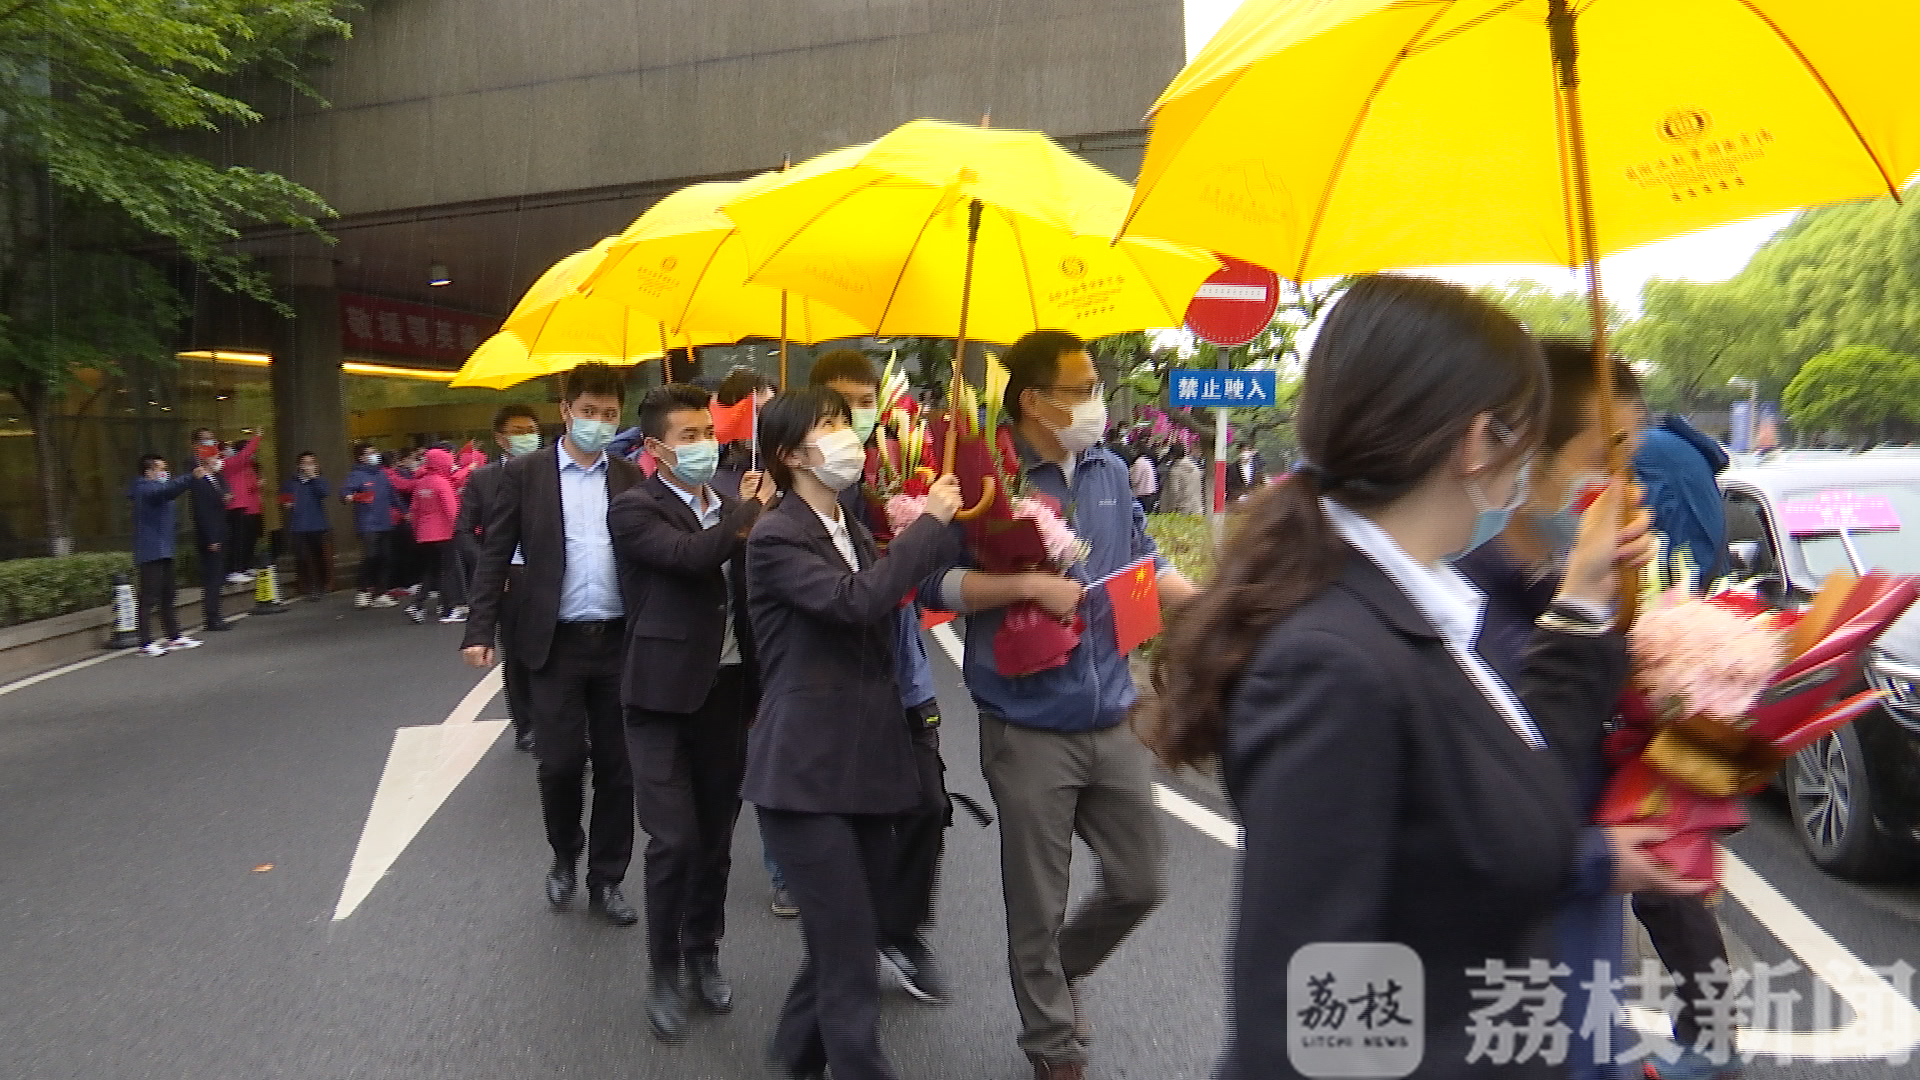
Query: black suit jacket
[[832, 736], [209, 510], [671, 571], [1386, 800], [477, 500], [527, 515]]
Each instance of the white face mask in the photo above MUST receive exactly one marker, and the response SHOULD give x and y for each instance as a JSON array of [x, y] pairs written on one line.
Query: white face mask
[[1088, 424], [845, 461]]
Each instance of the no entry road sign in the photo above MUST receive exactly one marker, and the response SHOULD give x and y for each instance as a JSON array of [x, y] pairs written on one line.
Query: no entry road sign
[[1235, 304]]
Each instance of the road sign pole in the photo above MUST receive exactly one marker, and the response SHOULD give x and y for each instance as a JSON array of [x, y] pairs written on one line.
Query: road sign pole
[[1219, 477]]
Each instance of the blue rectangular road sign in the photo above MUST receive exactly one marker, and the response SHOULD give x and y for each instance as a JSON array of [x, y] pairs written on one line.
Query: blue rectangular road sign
[[1194, 389]]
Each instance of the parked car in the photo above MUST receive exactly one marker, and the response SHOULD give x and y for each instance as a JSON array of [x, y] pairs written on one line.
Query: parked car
[[1855, 794]]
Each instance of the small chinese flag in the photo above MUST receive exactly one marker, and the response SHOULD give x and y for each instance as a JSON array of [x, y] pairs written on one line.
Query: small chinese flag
[[1135, 593], [733, 423]]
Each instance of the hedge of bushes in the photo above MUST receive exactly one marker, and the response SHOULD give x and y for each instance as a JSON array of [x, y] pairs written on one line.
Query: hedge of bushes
[[33, 589], [1187, 539]]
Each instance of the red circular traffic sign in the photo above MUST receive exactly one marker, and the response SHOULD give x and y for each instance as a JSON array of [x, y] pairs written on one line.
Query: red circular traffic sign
[[1235, 304]]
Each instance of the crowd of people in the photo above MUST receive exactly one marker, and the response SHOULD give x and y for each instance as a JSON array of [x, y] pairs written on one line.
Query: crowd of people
[[1405, 669]]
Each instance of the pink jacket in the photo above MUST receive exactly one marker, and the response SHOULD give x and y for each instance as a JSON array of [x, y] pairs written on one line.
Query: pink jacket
[[435, 502], [242, 478]]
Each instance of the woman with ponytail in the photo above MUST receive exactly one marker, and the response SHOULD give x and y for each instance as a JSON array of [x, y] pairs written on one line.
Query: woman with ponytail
[[1392, 788]]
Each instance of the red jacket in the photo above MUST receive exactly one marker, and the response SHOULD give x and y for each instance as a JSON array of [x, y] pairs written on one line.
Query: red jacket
[[435, 500], [243, 479]]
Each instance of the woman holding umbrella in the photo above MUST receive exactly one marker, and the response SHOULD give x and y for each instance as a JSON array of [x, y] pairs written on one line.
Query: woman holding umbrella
[[1393, 789]]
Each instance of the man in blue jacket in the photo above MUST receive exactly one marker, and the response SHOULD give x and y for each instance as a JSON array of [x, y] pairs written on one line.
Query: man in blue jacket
[[370, 494], [1058, 754], [152, 493], [1677, 465]]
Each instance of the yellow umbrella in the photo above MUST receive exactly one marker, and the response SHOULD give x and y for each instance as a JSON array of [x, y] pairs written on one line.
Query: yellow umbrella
[[557, 326], [1475, 131], [881, 232], [683, 261]]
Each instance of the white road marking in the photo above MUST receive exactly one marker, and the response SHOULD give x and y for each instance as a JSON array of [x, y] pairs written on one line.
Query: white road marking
[[423, 768], [1885, 1024], [80, 665]]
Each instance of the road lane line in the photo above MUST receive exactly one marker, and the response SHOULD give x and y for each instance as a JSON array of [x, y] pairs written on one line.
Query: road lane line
[[1885, 1024], [424, 766], [80, 665]]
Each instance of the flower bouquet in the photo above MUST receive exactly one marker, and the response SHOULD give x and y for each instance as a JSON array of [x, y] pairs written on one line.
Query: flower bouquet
[[1007, 531], [1724, 690]]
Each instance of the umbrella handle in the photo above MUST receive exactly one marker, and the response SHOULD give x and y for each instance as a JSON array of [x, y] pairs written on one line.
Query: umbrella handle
[[988, 488]]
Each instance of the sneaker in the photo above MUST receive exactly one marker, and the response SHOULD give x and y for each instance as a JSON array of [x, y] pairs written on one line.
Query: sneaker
[[238, 578], [458, 614], [915, 970], [412, 590], [154, 648], [783, 905], [415, 613], [184, 642], [398, 594], [384, 601], [363, 599]]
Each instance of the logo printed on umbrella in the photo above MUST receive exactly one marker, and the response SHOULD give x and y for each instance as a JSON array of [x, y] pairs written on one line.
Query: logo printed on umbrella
[[670, 263], [1685, 125], [1245, 190], [1073, 266]]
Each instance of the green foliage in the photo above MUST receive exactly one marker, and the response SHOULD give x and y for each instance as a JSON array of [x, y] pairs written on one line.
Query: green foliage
[[1546, 313], [1856, 389], [1700, 336], [1187, 539], [32, 589], [1843, 275]]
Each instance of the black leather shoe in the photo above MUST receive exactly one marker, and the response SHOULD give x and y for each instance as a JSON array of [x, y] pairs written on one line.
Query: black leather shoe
[[560, 884], [609, 902], [713, 989], [665, 1009]]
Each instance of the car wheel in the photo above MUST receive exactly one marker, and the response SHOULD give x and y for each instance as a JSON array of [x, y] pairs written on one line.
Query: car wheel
[[1832, 801]]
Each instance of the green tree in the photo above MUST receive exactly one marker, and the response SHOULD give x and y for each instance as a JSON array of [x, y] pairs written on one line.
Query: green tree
[[1546, 313], [97, 101], [1843, 275], [1855, 389], [1698, 336]]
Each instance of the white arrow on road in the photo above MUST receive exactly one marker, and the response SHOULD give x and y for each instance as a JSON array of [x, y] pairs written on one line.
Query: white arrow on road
[[425, 765]]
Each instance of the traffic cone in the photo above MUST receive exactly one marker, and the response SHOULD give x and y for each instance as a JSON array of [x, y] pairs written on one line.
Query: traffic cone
[[125, 613], [266, 588]]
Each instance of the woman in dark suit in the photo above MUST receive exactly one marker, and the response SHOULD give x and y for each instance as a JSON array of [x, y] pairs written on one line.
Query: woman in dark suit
[[1394, 791], [830, 760]]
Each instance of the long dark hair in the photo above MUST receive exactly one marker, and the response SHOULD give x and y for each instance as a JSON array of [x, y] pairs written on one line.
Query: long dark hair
[[1397, 375]]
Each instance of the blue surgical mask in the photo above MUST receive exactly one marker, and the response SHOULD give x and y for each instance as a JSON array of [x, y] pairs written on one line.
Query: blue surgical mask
[[1557, 527], [591, 436], [1493, 520], [694, 463], [518, 445]]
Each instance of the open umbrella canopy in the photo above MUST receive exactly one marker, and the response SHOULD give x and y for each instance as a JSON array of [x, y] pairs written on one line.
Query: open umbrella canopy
[[683, 261], [556, 326], [881, 232], [1321, 137]]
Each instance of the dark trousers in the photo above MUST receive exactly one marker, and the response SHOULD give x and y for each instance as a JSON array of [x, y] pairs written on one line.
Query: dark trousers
[[832, 1015], [1687, 937], [375, 560], [687, 769], [513, 672], [433, 564], [576, 709], [213, 576], [156, 596], [243, 532], [455, 572], [310, 561], [1149, 503], [919, 838], [406, 563]]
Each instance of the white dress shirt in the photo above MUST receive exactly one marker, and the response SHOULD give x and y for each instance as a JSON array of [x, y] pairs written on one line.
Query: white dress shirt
[[706, 507], [842, 539], [590, 588], [1448, 601]]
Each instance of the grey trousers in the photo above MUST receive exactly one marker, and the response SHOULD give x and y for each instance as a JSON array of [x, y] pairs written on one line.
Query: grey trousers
[[1049, 786]]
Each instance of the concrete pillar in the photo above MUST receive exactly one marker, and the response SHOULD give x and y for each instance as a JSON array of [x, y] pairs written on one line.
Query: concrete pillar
[[309, 405]]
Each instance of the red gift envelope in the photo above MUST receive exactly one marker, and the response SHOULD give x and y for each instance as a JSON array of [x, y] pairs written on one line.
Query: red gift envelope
[[1030, 640]]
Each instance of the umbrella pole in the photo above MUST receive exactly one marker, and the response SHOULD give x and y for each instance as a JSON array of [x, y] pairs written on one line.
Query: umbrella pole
[[1566, 52], [960, 343], [783, 339]]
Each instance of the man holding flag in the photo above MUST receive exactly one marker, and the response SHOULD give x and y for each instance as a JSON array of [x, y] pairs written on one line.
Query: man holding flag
[[1057, 752]]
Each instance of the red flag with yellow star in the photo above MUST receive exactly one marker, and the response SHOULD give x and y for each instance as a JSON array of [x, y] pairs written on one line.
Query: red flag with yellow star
[[1135, 593]]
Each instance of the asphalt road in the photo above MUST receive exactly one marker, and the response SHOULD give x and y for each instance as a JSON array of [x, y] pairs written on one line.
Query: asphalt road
[[175, 833]]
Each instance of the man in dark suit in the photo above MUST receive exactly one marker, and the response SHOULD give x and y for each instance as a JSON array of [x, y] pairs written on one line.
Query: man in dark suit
[[516, 429], [690, 690], [209, 499], [570, 629], [1246, 473]]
